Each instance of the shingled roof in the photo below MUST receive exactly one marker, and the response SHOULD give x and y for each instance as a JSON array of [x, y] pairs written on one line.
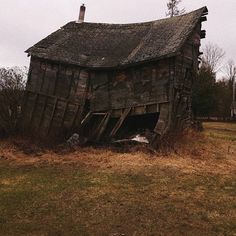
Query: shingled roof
[[97, 45]]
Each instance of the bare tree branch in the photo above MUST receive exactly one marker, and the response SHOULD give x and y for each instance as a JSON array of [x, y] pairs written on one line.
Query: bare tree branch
[[230, 70], [212, 57], [173, 9], [12, 84]]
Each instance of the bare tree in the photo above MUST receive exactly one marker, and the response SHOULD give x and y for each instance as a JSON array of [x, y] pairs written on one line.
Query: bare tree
[[212, 57], [12, 84], [173, 9], [230, 70]]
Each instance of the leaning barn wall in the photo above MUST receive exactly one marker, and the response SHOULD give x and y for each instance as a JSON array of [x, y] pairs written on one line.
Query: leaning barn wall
[[140, 90], [54, 97], [186, 65], [136, 86]]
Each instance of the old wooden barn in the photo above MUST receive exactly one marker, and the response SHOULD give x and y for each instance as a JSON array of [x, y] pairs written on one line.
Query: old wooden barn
[[108, 81]]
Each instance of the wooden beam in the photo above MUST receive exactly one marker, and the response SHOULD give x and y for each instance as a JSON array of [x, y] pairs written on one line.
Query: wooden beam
[[72, 79], [34, 107], [203, 19], [51, 96], [102, 126], [120, 122], [52, 116], [64, 114], [203, 34], [158, 107], [86, 119], [43, 78], [99, 113], [75, 116], [56, 80], [42, 113]]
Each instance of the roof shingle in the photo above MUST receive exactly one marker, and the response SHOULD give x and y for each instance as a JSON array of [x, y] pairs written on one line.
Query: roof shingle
[[97, 45]]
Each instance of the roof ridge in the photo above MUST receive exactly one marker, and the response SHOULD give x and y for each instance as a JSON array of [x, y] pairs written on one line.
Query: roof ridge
[[135, 23]]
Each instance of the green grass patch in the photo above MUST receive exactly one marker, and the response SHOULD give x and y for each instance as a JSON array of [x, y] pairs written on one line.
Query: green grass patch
[[75, 201]]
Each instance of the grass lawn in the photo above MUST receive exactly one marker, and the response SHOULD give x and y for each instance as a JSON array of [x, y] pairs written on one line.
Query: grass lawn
[[188, 191]]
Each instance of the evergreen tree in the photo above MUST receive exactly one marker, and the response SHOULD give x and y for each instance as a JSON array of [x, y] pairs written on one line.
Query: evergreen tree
[[204, 100]]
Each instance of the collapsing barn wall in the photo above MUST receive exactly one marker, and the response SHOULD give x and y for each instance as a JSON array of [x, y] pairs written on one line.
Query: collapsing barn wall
[[54, 98], [58, 96], [149, 93], [186, 69], [166, 85], [132, 87], [157, 96], [124, 102]]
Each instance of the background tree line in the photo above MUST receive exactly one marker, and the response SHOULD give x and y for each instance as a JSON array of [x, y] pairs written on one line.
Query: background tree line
[[213, 97], [12, 85]]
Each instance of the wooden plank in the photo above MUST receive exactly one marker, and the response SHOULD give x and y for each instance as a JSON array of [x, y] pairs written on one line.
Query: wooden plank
[[98, 127], [120, 122], [43, 78], [203, 19], [64, 114], [29, 77], [103, 125], [51, 96], [56, 80], [34, 107], [52, 116], [42, 114], [158, 107], [75, 116], [203, 34], [72, 79], [83, 90], [86, 119], [99, 113]]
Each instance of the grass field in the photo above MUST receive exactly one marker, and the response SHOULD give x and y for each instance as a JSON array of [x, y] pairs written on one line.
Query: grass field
[[190, 190]]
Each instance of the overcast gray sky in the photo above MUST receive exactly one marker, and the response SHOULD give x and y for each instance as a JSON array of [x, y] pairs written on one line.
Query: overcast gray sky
[[25, 22]]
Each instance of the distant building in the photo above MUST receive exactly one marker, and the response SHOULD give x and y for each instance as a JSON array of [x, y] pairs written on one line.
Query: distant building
[[113, 80]]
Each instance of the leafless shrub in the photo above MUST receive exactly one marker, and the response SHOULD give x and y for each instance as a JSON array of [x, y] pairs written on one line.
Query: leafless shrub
[[212, 57], [230, 70], [173, 9], [12, 84]]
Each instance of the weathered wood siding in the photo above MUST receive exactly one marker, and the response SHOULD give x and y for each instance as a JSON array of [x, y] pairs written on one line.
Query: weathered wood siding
[[54, 98], [131, 87], [56, 94], [186, 68]]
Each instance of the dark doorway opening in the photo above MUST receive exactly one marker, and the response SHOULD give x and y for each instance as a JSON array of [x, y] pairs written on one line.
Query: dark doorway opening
[[138, 124]]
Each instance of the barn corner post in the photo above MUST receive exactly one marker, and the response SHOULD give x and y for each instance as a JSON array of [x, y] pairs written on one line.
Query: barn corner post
[[166, 110], [176, 115], [24, 101]]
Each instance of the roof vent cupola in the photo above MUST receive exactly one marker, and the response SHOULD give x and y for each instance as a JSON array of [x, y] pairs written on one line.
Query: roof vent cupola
[[81, 14]]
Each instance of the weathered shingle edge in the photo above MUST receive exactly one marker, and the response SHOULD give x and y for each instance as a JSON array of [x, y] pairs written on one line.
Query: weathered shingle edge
[[202, 11]]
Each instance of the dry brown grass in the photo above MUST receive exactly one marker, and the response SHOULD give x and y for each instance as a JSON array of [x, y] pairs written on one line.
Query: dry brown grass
[[191, 153], [189, 189]]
